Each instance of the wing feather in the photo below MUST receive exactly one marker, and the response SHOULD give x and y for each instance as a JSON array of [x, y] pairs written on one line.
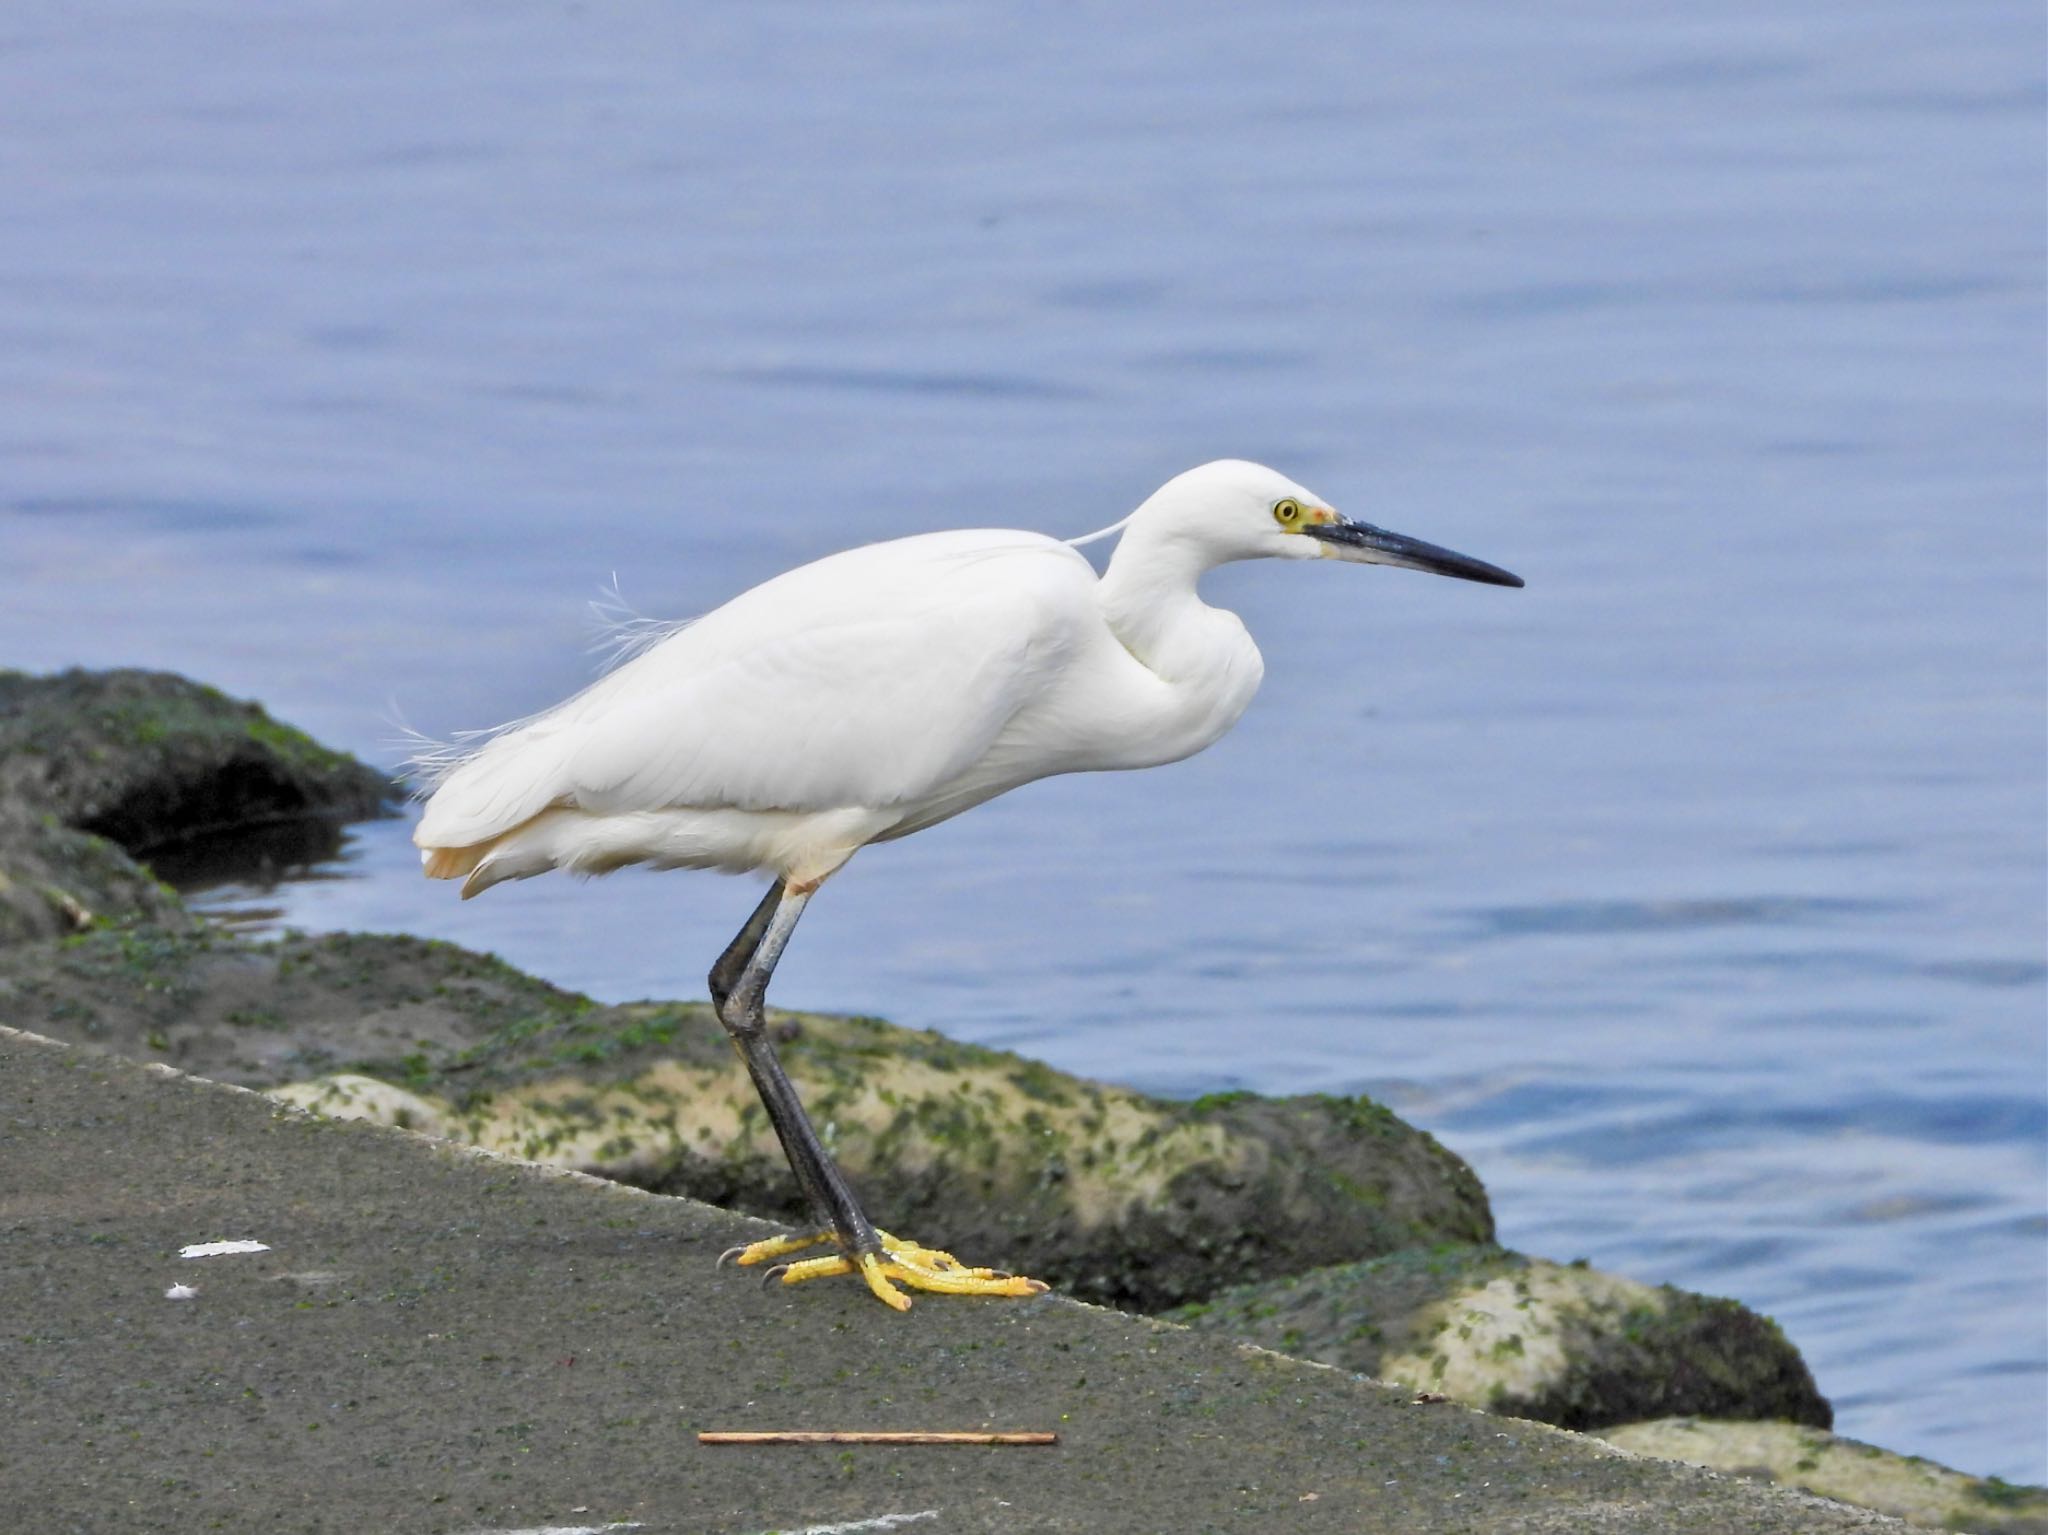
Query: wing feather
[[868, 679]]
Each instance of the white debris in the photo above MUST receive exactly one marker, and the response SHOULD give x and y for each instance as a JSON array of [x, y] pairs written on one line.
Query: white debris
[[219, 1249], [180, 1292]]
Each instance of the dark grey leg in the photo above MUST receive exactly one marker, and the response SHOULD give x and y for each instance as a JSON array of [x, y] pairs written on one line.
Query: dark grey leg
[[739, 989], [726, 973]]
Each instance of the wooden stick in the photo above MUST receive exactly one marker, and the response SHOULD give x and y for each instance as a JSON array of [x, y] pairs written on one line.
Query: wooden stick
[[871, 1436]]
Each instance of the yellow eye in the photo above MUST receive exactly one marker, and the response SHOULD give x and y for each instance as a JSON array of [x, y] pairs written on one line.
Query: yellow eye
[[1287, 513]]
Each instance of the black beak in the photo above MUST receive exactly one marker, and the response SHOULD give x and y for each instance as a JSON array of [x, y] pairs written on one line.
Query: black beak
[[1368, 545]]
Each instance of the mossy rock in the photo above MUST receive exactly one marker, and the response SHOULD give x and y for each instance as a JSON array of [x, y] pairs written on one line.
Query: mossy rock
[[1121, 1198], [56, 880], [1793, 1455], [1563, 1344], [149, 758], [1137, 1201], [256, 1014], [100, 768]]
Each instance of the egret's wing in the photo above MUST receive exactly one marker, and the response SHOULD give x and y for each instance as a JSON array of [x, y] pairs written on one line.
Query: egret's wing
[[868, 679]]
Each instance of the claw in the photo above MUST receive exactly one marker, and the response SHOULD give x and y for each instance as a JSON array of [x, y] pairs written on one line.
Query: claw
[[728, 1255]]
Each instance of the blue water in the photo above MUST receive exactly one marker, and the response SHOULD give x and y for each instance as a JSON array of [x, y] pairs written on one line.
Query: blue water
[[1695, 894]]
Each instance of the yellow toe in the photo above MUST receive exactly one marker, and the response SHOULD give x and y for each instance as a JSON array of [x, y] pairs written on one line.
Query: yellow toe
[[878, 1273], [899, 1263], [771, 1248]]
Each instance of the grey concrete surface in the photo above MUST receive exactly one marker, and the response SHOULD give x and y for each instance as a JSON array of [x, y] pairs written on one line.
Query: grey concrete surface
[[439, 1340]]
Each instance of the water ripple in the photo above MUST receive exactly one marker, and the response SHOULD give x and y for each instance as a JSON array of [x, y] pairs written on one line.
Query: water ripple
[[989, 386], [1592, 918]]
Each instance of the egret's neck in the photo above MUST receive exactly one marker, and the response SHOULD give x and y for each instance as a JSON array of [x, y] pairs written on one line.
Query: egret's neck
[[1149, 599]]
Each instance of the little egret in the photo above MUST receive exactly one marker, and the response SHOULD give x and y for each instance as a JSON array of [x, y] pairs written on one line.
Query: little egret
[[870, 695]]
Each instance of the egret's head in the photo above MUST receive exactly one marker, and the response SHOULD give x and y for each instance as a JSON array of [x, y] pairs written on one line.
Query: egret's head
[[1243, 511]]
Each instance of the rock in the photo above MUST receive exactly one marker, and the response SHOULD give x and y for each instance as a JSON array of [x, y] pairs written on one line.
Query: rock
[[147, 758], [98, 766], [1792, 1455], [1109, 1194], [56, 880], [350, 1095], [261, 1014], [1563, 1344]]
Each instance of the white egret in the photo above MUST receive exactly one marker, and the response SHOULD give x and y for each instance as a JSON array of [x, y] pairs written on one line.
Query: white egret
[[867, 696]]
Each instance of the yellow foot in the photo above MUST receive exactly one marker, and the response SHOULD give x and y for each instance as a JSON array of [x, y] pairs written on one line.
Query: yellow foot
[[922, 1268]]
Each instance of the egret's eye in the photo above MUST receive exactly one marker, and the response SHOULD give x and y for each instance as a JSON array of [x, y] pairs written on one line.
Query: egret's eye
[[1287, 513]]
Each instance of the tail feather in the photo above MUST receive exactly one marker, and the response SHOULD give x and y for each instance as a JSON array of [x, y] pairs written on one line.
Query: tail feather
[[452, 862]]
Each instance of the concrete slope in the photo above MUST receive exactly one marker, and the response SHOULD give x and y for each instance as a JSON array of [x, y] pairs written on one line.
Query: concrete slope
[[439, 1340]]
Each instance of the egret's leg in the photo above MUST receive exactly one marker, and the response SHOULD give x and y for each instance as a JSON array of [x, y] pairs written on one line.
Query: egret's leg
[[741, 1005], [739, 989], [726, 973]]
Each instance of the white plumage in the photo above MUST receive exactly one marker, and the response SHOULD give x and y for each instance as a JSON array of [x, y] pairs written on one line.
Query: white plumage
[[881, 690]]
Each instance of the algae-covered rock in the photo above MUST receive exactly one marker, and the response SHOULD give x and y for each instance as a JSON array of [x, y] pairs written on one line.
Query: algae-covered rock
[[95, 766], [350, 1095], [1563, 1344], [259, 1014], [1105, 1192], [1793, 1455], [55, 879], [1119, 1197], [146, 758]]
